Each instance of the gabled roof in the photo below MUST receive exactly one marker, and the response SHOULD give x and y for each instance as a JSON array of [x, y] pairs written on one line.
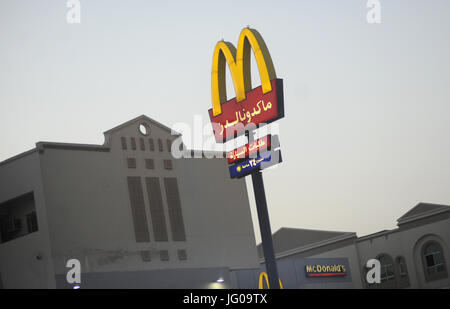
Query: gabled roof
[[90, 147], [137, 119], [422, 210], [289, 239]]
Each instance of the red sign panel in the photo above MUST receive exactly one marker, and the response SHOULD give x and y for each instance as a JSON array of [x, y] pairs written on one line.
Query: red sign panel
[[249, 149], [326, 275], [257, 108]]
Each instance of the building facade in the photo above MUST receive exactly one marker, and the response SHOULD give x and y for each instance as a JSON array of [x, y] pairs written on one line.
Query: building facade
[[135, 217], [414, 255], [127, 210]]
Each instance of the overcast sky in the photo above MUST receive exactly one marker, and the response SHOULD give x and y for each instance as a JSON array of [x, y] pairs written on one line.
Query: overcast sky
[[366, 132]]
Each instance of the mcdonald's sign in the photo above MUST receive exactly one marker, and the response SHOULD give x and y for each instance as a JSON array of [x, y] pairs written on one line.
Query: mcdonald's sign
[[325, 270], [263, 276], [250, 107]]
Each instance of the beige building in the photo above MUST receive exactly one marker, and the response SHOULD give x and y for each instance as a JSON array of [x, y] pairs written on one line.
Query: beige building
[[132, 215], [414, 255]]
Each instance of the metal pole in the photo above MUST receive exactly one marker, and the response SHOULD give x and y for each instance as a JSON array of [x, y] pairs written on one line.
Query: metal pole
[[264, 227]]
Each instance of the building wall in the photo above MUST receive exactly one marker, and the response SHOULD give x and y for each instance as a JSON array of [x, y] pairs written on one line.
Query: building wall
[[168, 278], [292, 274], [408, 243], [26, 262], [90, 216], [351, 254], [414, 239]]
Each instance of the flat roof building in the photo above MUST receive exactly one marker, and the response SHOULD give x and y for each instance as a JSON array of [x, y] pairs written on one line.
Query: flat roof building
[[131, 214], [414, 255]]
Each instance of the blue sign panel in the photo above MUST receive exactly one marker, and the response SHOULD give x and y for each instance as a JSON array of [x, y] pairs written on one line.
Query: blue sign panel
[[248, 166]]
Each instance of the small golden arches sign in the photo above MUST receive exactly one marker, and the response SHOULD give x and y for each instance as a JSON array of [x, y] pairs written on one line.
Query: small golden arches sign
[[262, 276]]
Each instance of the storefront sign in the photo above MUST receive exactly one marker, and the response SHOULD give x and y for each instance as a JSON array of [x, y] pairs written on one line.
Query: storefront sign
[[325, 270], [250, 107]]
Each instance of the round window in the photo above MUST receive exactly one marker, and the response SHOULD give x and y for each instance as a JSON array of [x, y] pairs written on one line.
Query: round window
[[144, 129]]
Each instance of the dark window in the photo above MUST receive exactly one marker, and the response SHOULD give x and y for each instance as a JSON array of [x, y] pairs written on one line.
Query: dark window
[[14, 217], [149, 164], [156, 208], [131, 162], [182, 255], [160, 145], [168, 164], [175, 212], [133, 143], [164, 255], [387, 268], [137, 204], [433, 258], [169, 145], [32, 222], [142, 143], [145, 256], [403, 280], [124, 143], [434, 262], [151, 144], [402, 267]]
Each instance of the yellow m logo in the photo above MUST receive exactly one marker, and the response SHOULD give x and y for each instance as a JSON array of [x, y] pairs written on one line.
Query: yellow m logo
[[262, 276], [239, 64]]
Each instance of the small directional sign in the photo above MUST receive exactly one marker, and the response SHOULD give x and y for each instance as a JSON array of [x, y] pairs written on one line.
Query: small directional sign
[[248, 166]]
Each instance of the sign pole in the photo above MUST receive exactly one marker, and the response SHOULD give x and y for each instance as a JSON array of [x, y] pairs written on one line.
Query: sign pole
[[264, 225]]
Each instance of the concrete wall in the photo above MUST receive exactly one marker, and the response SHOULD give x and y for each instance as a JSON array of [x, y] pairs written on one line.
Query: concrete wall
[[351, 254], [90, 218], [19, 265], [174, 278], [408, 243]]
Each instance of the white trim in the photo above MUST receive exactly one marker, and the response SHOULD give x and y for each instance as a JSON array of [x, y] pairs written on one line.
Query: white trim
[[423, 215]]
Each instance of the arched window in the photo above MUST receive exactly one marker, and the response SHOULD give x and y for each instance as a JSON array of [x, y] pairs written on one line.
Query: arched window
[[433, 261], [387, 268]]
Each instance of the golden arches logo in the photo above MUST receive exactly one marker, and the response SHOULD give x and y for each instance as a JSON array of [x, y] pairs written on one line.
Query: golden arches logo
[[239, 63], [262, 276]]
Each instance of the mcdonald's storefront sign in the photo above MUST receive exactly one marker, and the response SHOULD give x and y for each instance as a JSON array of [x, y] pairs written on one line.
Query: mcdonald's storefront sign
[[297, 272], [325, 270], [250, 107]]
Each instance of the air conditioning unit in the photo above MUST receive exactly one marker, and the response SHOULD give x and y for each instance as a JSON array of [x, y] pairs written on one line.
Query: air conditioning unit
[[12, 225]]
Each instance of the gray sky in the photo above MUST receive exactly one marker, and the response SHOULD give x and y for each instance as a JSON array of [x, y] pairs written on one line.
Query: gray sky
[[365, 136]]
